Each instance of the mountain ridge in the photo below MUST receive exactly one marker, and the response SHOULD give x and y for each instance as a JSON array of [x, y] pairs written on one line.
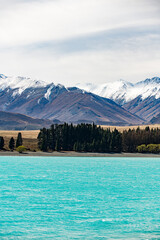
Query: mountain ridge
[[16, 121], [124, 91], [140, 99], [64, 104], [120, 90]]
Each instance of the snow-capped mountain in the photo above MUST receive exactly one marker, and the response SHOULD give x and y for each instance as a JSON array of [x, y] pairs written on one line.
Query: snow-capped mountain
[[19, 83], [49, 101], [142, 98], [32, 97], [120, 91], [123, 92]]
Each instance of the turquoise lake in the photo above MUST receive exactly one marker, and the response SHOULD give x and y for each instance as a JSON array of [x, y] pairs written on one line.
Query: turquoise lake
[[79, 198]]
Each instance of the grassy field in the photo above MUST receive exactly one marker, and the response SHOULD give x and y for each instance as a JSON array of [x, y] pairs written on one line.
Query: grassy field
[[30, 137], [31, 134]]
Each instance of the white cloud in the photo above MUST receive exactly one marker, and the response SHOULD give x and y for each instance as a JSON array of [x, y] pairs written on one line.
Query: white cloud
[[80, 40], [28, 23], [86, 66]]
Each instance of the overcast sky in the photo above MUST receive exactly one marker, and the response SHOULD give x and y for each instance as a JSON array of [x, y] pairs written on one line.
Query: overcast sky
[[73, 41]]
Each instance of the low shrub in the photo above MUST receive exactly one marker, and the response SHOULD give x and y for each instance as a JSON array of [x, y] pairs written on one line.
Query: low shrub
[[142, 148], [153, 148], [150, 148], [21, 149]]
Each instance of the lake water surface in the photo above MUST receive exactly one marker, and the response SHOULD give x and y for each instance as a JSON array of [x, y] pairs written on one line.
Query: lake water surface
[[79, 198]]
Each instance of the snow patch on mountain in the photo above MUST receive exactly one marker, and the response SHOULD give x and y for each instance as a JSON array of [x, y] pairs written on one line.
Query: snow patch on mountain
[[49, 91], [123, 91], [19, 83]]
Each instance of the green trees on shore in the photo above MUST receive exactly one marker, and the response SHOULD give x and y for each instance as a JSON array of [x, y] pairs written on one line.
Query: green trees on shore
[[82, 137], [131, 139], [91, 138]]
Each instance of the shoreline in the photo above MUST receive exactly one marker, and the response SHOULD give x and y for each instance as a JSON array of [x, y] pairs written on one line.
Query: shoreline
[[77, 154]]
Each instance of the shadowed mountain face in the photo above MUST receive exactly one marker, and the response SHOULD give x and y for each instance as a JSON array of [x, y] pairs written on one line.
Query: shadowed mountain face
[[147, 108], [155, 120], [66, 105], [15, 121]]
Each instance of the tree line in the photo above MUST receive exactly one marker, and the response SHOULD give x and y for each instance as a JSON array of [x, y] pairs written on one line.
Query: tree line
[[81, 137], [92, 138]]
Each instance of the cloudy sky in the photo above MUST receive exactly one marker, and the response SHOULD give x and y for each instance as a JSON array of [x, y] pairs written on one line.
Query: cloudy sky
[[73, 41]]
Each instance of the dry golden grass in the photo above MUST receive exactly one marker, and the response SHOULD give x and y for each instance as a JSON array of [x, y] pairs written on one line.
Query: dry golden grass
[[31, 134], [122, 128], [29, 138]]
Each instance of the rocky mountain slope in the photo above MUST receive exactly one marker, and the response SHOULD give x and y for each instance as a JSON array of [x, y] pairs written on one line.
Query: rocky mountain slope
[[39, 100], [147, 108]]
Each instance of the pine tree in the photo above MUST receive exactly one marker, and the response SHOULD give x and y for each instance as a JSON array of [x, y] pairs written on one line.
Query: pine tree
[[1, 143], [57, 148], [75, 147], [11, 144], [19, 140], [42, 140], [52, 138]]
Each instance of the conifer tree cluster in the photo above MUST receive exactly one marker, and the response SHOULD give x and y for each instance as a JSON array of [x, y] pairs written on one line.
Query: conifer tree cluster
[[80, 138], [91, 138]]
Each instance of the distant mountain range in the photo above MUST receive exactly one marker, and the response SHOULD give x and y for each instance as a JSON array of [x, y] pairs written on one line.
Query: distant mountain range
[[39, 100], [118, 103], [142, 98]]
